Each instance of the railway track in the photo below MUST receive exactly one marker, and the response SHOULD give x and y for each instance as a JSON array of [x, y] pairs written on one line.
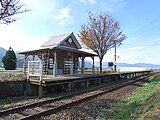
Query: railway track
[[44, 108]]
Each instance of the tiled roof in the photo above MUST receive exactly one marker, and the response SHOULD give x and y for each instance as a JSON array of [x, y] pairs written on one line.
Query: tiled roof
[[57, 43], [56, 40]]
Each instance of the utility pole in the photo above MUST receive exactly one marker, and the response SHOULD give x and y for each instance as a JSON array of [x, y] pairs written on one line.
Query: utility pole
[[115, 57]]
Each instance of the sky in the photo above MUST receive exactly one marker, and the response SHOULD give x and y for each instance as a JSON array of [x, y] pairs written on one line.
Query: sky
[[139, 20]]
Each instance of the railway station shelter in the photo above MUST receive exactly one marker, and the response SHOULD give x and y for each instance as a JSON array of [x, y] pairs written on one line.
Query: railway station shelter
[[59, 55]]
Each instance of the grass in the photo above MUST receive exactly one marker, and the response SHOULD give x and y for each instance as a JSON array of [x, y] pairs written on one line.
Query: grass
[[11, 76], [107, 71], [143, 105]]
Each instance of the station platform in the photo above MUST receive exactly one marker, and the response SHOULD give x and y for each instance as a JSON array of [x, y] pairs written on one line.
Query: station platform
[[48, 80], [74, 82]]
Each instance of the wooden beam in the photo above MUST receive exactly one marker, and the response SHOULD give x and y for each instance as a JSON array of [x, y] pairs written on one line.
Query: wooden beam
[[40, 91], [25, 64], [92, 65], [55, 64], [71, 70]]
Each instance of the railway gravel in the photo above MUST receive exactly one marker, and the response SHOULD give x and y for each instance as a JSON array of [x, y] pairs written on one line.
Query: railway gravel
[[89, 109], [86, 110], [31, 111], [15, 102]]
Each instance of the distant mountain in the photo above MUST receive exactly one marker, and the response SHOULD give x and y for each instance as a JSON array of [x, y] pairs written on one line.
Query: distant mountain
[[2, 53], [146, 65], [20, 58], [88, 64], [105, 65]]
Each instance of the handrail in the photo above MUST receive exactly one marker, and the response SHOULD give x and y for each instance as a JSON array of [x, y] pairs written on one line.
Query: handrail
[[34, 71]]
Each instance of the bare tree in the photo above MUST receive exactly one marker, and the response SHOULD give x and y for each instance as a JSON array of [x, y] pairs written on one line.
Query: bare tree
[[8, 9], [101, 34]]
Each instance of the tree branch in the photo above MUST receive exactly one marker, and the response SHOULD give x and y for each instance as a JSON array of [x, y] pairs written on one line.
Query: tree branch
[[9, 9]]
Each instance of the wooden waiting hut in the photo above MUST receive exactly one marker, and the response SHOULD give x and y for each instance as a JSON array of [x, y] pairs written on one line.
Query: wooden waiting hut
[[59, 55]]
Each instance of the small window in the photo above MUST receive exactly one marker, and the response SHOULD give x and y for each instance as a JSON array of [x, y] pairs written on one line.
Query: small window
[[51, 63]]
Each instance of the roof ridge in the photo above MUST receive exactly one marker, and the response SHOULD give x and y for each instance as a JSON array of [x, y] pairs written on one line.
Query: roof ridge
[[50, 41], [59, 39], [62, 34]]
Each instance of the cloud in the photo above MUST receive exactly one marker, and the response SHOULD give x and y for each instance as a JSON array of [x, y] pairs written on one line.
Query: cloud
[[64, 16], [88, 1], [136, 49], [10, 36], [126, 55], [40, 7], [112, 5], [52, 10], [157, 40]]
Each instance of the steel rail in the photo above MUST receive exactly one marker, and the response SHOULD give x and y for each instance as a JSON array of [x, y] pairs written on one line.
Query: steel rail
[[58, 108], [31, 105]]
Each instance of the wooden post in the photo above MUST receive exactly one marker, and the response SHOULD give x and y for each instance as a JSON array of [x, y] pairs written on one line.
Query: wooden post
[[69, 87], [83, 65], [87, 83], [100, 81], [25, 65], [109, 79], [33, 64], [71, 70], [40, 91], [92, 65], [40, 88], [116, 77], [55, 64], [126, 76]]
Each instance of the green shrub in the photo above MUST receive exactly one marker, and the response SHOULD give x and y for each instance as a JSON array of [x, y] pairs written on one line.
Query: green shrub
[[9, 60], [107, 71]]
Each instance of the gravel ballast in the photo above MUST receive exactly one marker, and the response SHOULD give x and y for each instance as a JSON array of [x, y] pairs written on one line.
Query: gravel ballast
[[89, 109]]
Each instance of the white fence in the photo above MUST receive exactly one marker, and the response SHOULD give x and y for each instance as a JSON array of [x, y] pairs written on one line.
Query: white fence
[[34, 69]]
